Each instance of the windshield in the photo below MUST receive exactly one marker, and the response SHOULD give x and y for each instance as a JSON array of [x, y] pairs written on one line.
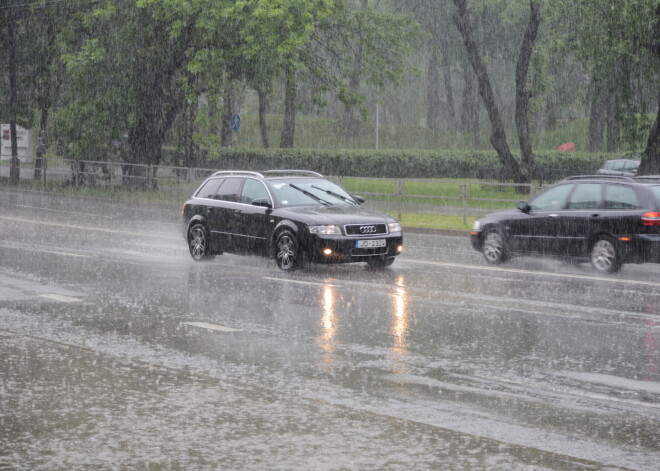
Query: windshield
[[310, 192], [656, 192]]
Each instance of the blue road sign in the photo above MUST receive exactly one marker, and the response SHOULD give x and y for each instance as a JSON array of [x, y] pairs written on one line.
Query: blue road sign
[[235, 122]]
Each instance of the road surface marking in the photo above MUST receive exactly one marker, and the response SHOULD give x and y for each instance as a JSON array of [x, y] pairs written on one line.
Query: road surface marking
[[62, 253], [62, 211], [61, 298], [531, 272], [205, 325], [89, 228], [312, 283]]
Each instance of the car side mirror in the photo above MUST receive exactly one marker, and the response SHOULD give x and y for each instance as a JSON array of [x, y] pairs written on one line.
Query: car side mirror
[[262, 202], [359, 199], [523, 206]]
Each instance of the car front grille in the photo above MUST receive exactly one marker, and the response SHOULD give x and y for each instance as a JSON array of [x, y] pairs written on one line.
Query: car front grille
[[365, 229]]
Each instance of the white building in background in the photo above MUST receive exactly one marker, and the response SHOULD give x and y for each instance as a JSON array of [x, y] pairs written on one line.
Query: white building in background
[[24, 141]]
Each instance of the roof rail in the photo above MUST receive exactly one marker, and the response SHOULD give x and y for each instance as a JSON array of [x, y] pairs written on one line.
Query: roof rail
[[293, 172], [648, 178], [237, 172], [599, 177]]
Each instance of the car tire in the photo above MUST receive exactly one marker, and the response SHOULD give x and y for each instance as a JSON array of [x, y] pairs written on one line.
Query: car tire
[[198, 243], [288, 255], [605, 256], [494, 248], [380, 262]]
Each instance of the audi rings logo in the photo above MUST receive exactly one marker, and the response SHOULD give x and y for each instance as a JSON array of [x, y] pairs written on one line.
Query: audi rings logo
[[368, 229]]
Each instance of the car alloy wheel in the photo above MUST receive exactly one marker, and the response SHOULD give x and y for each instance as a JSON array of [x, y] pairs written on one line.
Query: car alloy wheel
[[493, 248], [198, 242], [604, 256], [286, 252]]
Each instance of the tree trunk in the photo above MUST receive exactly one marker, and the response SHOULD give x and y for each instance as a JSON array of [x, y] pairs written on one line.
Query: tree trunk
[[289, 126], [523, 94], [471, 109], [263, 106], [498, 134], [449, 92], [597, 118], [227, 111], [14, 163], [613, 128], [650, 164], [42, 145], [432, 90]]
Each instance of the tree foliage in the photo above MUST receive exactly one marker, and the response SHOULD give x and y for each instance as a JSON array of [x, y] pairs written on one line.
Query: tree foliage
[[119, 79]]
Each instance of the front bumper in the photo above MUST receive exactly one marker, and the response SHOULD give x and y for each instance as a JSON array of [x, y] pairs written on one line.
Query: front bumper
[[342, 249], [476, 240]]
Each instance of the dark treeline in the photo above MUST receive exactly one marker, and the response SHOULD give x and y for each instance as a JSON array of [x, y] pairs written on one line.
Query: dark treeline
[[121, 79]]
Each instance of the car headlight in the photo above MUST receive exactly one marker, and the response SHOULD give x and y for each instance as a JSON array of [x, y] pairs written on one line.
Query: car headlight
[[394, 226], [476, 227], [326, 229]]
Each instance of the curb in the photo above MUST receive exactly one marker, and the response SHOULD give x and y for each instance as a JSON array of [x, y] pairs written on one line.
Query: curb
[[446, 232]]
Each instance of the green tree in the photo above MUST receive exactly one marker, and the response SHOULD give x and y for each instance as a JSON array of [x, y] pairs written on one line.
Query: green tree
[[15, 91], [521, 173], [124, 77], [619, 41]]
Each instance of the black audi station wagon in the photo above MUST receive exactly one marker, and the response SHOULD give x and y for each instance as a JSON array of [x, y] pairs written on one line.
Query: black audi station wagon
[[607, 220], [293, 216]]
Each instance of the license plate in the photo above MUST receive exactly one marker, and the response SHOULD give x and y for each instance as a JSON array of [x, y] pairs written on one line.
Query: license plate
[[369, 244]]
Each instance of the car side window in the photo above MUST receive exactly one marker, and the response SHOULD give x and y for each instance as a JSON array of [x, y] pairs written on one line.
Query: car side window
[[619, 165], [585, 196], [252, 190], [620, 197], [553, 199], [229, 189], [210, 188]]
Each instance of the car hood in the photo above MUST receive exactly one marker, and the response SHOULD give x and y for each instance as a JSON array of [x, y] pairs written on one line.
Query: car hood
[[340, 215], [502, 216]]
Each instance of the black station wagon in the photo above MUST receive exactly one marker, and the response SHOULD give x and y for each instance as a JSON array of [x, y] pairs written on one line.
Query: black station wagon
[[293, 216], [605, 219]]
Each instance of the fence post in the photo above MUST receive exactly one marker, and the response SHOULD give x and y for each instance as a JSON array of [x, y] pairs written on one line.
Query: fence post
[[111, 168], [149, 177], [76, 171], [398, 190], [465, 189]]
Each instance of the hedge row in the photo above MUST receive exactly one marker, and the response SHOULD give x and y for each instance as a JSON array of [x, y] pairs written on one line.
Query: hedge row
[[399, 164]]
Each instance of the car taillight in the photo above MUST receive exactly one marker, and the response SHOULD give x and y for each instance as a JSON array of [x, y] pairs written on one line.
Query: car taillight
[[651, 219]]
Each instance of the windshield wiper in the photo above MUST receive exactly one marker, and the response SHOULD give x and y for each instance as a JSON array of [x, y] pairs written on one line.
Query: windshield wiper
[[311, 195], [336, 195]]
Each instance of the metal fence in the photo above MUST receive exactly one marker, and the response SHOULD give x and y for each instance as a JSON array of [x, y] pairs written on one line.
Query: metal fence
[[466, 198]]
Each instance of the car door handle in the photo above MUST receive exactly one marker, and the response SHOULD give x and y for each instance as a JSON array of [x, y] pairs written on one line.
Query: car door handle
[[595, 215], [553, 215], [209, 209]]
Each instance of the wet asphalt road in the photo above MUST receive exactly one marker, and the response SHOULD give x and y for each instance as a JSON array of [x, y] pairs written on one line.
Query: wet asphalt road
[[117, 351]]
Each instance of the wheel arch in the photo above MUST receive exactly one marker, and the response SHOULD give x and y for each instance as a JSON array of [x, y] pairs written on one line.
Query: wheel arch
[[195, 220], [285, 224]]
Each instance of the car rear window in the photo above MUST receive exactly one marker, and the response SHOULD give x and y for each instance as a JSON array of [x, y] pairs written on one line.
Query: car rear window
[[620, 197], [656, 192], [228, 191], [210, 188]]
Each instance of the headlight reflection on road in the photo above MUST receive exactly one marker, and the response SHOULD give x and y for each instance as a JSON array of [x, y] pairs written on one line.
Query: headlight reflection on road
[[400, 327], [328, 327]]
